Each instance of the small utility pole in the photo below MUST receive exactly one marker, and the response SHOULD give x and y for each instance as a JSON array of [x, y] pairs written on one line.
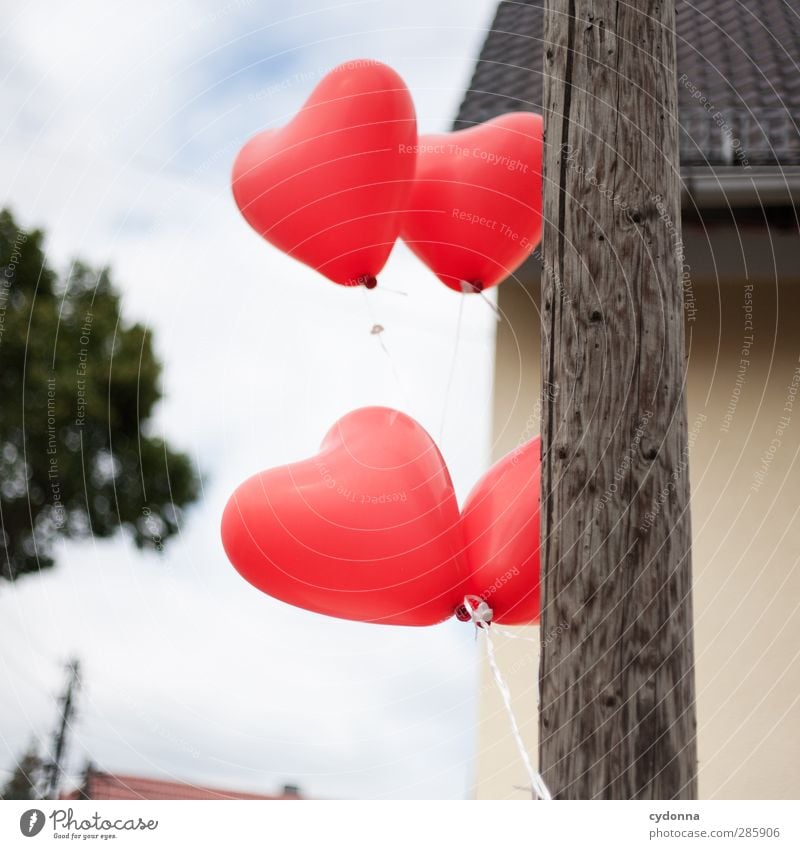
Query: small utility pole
[[617, 714], [52, 774]]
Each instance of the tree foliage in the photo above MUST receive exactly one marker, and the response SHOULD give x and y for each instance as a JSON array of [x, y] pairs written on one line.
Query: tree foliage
[[78, 387], [24, 780]]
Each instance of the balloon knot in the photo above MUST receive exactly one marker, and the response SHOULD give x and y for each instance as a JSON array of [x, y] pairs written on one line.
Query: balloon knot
[[475, 286], [368, 281], [474, 609]]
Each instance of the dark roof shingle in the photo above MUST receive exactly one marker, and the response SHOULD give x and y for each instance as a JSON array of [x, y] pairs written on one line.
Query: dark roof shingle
[[742, 57]]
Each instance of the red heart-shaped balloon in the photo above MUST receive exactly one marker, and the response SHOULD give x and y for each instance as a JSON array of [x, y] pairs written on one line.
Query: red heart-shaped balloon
[[368, 529], [329, 188], [501, 531], [475, 212]]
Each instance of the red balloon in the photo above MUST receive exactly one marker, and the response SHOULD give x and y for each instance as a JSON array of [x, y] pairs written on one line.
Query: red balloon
[[329, 188], [475, 212], [368, 529], [501, 530]]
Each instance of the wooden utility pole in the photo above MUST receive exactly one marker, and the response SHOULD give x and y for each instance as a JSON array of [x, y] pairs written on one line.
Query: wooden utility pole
[[617, 670]]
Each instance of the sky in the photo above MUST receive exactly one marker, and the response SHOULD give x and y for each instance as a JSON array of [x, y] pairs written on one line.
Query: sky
[[120, 124]]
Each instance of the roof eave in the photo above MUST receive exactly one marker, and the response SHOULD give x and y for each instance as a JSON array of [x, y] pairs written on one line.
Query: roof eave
[[714, 187]]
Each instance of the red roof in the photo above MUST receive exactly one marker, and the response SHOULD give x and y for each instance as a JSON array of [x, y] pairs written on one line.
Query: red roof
[[101, 785]]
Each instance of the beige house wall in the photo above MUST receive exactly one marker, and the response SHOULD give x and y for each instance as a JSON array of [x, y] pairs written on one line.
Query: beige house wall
[[745, 477]]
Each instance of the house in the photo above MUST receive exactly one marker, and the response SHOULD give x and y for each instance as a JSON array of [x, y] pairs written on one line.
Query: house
[[103, 785], [739, 101]]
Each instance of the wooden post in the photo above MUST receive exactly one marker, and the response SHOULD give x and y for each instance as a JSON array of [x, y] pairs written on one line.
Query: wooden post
[[617, 714]]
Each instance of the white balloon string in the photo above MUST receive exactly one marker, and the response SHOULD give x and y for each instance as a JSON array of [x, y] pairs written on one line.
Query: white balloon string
[[512, 636], [481, 615], [376, 330], [453, 364], [394, 291], [498, 316]]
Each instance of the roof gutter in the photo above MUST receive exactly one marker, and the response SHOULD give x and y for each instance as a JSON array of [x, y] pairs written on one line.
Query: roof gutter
[[732, 187]]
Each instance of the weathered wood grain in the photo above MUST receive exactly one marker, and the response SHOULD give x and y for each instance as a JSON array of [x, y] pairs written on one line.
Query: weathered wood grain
[[617, 686]]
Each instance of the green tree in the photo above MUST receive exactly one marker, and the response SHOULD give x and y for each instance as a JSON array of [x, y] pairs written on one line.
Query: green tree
[[24, 779], [78, 386]]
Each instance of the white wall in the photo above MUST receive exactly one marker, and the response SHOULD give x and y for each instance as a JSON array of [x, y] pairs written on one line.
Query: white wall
[[745, 507]]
